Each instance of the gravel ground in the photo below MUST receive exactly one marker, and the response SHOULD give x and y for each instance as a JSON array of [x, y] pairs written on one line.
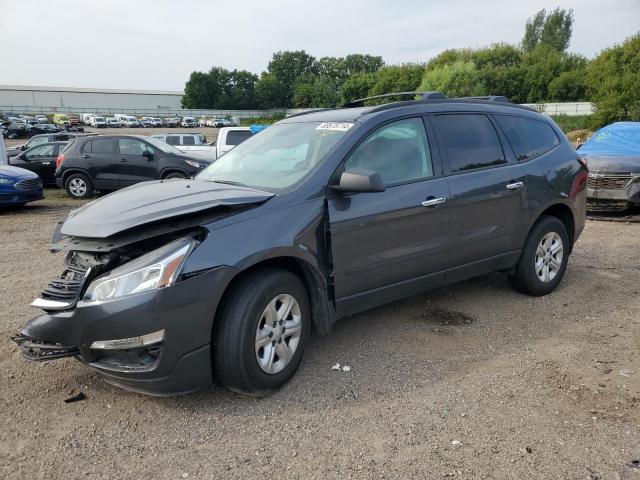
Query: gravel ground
[[471, 381]]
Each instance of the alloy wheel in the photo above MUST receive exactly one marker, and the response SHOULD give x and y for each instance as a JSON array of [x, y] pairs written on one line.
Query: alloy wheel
[[549, 253], [278, 333], [77, 187]]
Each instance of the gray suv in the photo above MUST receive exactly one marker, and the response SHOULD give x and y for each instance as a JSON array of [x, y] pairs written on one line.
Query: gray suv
[[317, 217]]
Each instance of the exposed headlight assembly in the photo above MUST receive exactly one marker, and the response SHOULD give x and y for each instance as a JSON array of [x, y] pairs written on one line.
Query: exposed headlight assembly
[[5, 181], [157, 269], [193, 163]]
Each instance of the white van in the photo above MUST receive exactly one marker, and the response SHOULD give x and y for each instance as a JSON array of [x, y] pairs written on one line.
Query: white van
[[86, 118], [98, 122]]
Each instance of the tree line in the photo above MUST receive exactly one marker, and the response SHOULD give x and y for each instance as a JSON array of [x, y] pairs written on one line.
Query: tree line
[[539, 69]]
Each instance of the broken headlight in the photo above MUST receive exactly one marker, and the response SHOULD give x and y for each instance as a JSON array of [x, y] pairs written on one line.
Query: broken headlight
[[157, 269]]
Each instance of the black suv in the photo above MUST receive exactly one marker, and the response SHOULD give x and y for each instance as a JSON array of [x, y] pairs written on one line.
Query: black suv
[[317, 217], [110, 162]]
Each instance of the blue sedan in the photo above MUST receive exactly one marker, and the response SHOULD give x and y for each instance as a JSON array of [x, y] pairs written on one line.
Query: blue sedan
[[18, 186]]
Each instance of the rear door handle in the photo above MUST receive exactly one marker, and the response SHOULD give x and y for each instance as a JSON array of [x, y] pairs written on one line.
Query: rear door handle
[[515, 185], [123, 160], [432, 202], [86, 156]]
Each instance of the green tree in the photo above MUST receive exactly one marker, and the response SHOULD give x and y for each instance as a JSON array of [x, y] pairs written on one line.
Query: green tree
[[397, 78], [287, 66], [553, 30], [356, 86], [357, 63], [458, 79], [569, 86], [239, 90], [270, 93], [311, 91], [613, 82]]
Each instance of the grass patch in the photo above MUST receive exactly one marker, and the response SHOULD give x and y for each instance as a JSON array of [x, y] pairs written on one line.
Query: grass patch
[[568, 123]]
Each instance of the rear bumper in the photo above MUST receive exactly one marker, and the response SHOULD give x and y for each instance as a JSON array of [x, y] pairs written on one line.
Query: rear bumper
[[180, 363]]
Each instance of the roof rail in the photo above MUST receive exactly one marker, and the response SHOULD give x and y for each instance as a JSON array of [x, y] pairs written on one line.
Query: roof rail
[[315, 110], [423, 96], [489, 98]]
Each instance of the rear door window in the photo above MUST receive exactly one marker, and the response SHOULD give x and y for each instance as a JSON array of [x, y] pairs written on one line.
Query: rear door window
[[470, 141], [173, 140], [102, 146], [236, 137], [188, 140], [132, 146], [528, 137]]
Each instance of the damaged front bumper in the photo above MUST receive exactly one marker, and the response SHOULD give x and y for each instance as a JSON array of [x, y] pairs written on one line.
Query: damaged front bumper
[[612, 192], [156, 342]]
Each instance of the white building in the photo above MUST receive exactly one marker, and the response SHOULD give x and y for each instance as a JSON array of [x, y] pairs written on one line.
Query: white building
[[30, 99]]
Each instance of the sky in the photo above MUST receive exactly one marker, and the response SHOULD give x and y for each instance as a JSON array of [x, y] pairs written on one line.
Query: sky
[[156, 44]]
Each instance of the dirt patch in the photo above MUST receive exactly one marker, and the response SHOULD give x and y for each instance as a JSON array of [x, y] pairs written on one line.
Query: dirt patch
[[517, 387]]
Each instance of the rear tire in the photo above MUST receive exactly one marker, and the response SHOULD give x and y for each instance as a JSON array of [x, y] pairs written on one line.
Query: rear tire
[[265, 324], [78, 186], [544, 258]]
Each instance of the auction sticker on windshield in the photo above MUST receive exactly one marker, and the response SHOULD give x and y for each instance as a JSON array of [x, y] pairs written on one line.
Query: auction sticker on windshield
[[335, 126]]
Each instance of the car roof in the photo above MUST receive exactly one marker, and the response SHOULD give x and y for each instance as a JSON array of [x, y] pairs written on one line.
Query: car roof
[[355, 114]]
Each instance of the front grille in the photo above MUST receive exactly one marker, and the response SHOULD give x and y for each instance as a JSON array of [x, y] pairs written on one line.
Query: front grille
[[29, 184], [603, 181], [68, 286]]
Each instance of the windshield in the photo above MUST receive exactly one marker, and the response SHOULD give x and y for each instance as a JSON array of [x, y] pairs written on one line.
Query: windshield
[[276, 158], [165, 147]]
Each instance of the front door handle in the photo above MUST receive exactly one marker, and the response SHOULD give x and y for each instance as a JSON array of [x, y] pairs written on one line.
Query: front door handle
[[123, 160], [432, 202], [86, 156], [515, 185]]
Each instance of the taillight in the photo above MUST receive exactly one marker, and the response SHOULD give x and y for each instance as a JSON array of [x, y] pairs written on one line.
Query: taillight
[[59, 160]]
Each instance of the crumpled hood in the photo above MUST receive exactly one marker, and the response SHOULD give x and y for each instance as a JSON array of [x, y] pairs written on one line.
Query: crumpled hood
[[612, 163], [152, 201]]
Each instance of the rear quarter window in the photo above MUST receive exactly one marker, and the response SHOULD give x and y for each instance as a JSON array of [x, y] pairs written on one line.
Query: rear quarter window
[[528, 137], [187, 140]]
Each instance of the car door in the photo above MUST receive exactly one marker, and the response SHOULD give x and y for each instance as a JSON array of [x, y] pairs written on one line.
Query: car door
[[99, 158], [138, 161], [40, 160], [388, 244], [488, 193]]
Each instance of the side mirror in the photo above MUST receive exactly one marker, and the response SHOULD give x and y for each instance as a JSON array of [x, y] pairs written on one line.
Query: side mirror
[[147, 154], [359, 180], [23, 147]]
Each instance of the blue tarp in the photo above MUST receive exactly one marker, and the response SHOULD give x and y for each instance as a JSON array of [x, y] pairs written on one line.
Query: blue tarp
[[257, 128], [620, 138]]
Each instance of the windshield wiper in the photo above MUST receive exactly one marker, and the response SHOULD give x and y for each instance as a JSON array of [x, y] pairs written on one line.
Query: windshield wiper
[[229, 182]]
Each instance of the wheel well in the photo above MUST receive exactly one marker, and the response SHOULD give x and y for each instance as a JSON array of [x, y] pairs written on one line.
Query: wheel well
[[321, 317], [66, 174], [564, 214], [172, 170]]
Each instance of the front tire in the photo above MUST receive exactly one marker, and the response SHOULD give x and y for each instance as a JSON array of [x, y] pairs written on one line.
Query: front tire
[[78, 186], [264, 327], [175, 175], [544, 258]]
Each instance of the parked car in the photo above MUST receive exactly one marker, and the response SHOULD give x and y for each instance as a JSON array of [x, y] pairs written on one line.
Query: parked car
[[15, 129], [171, 122], [61, 119], [42, 139], [85, 118], [18, 186], [110, 162], [221, 122], [6, 115], [98, 122], [41, 128], [74, 120], [42, 118], [28, 119], [146, 122], [113, 123], [129, 121], [319, 216], [40, 160], [230, 137], [613, 156], [188, 122]]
